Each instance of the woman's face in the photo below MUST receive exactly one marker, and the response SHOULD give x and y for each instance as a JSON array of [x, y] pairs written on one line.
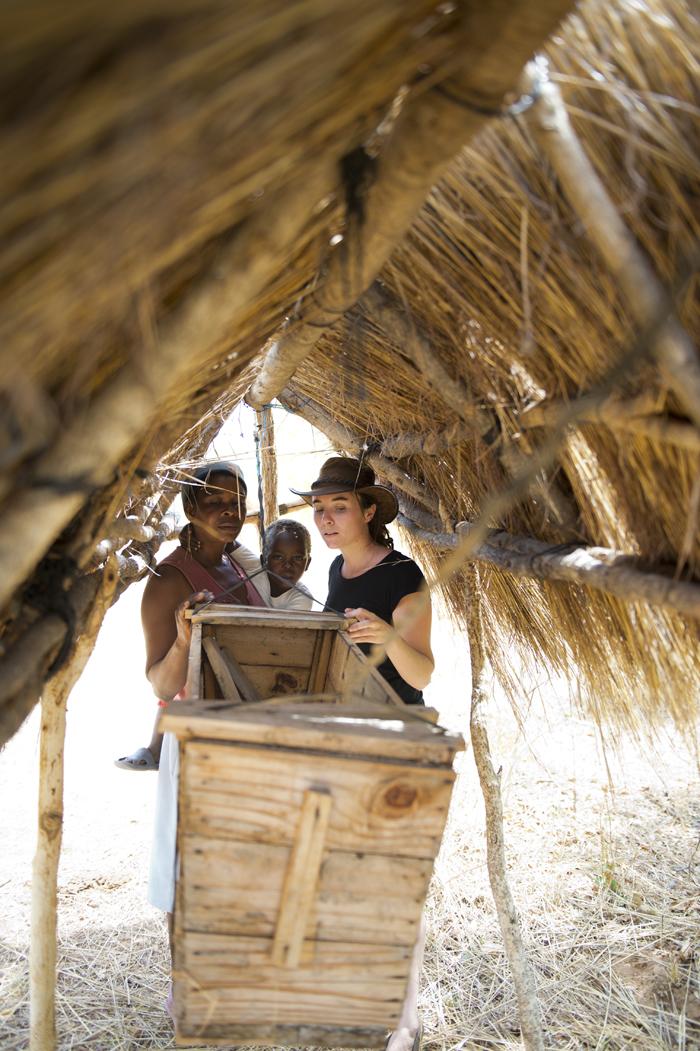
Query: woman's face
[[219, 512], [341, 520]]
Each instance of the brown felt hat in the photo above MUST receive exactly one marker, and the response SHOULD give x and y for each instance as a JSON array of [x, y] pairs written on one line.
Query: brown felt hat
[[343, 474]]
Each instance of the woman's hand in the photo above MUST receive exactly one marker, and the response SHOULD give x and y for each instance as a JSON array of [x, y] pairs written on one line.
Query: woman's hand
[[183, 623], [368, 627]]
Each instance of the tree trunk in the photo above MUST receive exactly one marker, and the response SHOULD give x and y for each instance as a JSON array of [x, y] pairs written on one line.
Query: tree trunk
[[490, 780]]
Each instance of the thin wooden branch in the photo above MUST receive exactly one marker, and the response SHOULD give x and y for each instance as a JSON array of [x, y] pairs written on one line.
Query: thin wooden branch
[[622, 416], [642, 291], [265, 439], [85, 455], [42, 953], [432, 444], [602, 569], [490, 781], [129, 527], [498, 39], [405, 332]]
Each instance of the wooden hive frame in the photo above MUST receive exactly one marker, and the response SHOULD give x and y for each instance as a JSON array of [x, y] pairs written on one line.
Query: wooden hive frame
[[306, 837]]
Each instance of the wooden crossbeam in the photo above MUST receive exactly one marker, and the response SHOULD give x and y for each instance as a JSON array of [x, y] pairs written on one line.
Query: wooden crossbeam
[[639, 286], [603, 569], [628, 416]]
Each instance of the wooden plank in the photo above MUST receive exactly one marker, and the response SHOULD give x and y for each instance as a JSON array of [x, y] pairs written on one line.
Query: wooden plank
[[194, 664], [340, 652], [254, 795], [235, 888], [247, 1005], [274, 646], [232, 959], [274, 1034], [351, 673], [210, 687], [245, 615], [220, 665], [321, 661], [317, 727], [276, 680], [247, 690], [301, 878]]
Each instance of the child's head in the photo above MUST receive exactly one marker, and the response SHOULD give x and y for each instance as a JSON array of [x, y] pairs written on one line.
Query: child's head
[[286, 550]]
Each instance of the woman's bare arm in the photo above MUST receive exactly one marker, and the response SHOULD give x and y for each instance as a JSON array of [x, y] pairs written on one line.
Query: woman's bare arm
[[166, 630], [407, 638]]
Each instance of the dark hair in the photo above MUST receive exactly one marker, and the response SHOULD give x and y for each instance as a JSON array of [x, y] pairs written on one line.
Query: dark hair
[[377, 528], [285, 525], [199, 478]]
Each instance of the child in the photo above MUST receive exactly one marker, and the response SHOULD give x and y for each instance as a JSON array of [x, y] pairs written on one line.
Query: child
[[286, 555]]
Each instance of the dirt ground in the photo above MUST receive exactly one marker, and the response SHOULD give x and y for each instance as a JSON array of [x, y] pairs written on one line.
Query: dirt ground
[[602, 846]]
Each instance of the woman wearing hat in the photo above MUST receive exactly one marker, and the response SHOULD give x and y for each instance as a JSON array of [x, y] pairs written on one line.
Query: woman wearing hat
[[379, 589], [383, 593]]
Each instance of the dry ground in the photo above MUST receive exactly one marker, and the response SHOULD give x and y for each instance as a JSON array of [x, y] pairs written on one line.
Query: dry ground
[[603, 850]]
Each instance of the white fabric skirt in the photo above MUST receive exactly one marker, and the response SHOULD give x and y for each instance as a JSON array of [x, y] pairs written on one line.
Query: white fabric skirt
[[161, 881]]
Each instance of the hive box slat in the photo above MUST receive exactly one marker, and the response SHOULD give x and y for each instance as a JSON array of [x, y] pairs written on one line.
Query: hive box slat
[[308, 825], [256, 794], [235, 888], [232, 959], [357, 731]]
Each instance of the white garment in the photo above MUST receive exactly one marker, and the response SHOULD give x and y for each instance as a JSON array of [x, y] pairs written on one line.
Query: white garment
[[163, 869], [292, 599], [161, 878]]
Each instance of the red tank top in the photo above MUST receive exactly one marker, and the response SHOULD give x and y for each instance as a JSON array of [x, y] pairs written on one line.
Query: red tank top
[[200, 579]]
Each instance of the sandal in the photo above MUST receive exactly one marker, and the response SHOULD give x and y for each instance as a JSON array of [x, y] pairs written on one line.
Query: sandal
[[141, 759], [417, 1039]]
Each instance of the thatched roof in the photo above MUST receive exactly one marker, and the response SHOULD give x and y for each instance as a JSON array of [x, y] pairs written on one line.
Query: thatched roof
[[172, 188]]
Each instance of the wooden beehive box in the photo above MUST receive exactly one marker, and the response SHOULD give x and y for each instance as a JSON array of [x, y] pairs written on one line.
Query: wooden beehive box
[[307, 833]]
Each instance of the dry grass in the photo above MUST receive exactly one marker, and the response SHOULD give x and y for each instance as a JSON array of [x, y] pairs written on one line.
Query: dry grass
[[605, 867], [499, 276]]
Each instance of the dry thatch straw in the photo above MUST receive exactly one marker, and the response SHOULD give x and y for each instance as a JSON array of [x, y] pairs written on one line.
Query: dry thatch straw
[[518, 309], [496, 272]]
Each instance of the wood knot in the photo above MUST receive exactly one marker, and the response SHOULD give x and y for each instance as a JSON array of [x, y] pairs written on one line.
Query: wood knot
[[400, 796]]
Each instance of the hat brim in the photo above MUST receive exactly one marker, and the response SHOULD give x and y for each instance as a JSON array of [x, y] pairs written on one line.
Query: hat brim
[[384, 498]]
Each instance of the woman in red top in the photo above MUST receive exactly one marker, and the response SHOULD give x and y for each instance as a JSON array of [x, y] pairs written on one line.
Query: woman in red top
[[208, 564]]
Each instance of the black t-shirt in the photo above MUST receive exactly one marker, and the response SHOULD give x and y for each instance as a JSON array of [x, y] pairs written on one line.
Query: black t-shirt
[[379, 590]]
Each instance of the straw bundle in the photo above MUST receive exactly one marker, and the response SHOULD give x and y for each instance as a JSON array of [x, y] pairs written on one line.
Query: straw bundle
[[499, 280]]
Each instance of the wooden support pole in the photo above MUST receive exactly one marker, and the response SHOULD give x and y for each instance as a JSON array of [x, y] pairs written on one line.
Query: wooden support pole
[[629, 417], [490, 781], [497, 41], [641, 289], [265, 440], [599, 568], [42, 953], [85, 454]]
